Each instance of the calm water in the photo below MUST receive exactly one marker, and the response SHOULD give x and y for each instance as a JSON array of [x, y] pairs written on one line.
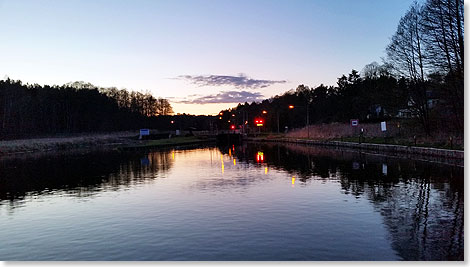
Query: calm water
[[250, 202]]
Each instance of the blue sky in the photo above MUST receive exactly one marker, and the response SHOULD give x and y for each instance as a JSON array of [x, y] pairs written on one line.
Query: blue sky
[[199, 54]]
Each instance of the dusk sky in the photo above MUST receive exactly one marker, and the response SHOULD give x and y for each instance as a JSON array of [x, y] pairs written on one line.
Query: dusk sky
[[203, 56]]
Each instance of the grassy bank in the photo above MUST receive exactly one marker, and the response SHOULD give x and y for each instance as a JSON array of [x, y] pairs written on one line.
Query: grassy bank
[[60, 143], [398, 133], [120, 140]]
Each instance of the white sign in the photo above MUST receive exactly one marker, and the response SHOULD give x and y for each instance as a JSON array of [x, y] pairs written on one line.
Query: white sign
[[144, 132], [177, 132], [384, 169], [354, 123], [383, 126]]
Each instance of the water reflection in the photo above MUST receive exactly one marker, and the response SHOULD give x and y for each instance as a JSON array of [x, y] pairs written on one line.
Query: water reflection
[[79, 175], [421, 204]]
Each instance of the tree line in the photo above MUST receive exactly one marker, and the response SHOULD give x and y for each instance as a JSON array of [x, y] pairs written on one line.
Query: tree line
[[421, 79], [369, 98], [32, 109]]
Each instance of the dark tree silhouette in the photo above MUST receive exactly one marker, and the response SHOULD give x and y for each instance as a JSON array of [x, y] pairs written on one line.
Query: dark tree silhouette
[[31, 109]]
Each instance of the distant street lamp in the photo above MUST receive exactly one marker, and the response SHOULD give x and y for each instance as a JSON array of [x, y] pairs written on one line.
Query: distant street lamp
[[307, 123], [265, 112]]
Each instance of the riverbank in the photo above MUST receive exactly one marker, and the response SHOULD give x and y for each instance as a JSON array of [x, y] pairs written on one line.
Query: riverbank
[[402, 133], [60, 143], [119, 140], [424, 153]]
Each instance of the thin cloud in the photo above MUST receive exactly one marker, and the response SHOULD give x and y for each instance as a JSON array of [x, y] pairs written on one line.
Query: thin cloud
[[225, 97], [241, 81]]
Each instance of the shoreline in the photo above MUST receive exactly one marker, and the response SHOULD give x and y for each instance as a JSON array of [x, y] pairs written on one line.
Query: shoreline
[[126, 141], [454, 157], [60, 143], [122, 141], [161, 143]]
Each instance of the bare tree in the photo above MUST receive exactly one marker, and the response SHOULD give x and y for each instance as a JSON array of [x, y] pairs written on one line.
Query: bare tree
[[406, 54], [443, 28]]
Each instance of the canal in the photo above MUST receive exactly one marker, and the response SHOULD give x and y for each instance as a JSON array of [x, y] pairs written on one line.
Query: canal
[[247, 202]]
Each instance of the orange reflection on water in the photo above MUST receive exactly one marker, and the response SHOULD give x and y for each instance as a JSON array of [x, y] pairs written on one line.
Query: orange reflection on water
[[222, 161], [293, 180], [265, 170], [173, 155], [234, 162]]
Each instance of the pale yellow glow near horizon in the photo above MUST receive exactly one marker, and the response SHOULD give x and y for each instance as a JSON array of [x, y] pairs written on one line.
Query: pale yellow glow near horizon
[[201, 109]]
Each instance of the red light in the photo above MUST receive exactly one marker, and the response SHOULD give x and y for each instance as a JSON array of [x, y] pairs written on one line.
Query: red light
[[232, 127], [291, 106]]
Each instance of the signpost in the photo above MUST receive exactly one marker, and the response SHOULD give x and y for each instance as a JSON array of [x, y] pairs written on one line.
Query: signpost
[[354, 122], [383, 126], [144, 132]]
